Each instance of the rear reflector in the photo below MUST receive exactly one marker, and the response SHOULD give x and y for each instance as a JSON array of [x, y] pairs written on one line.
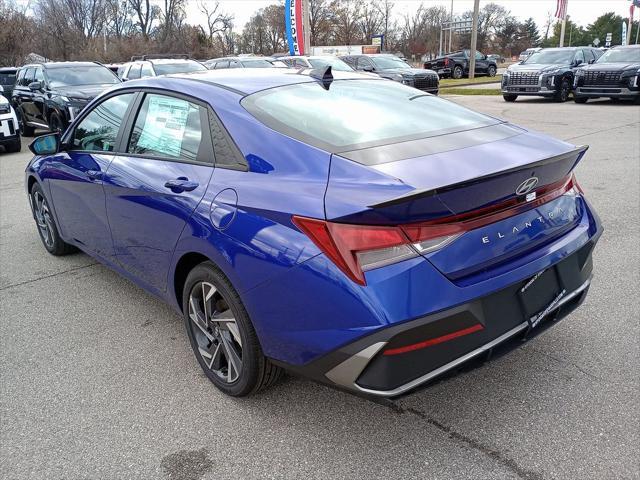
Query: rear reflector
[[357, 248], [434, 341]]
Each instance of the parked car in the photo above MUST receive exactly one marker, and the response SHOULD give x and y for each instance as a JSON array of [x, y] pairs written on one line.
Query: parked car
[[51, 95], [613, 75], [547, 73], [456, 64], [155, 65], [8, 80], [9, 129], [496, 58], [276, 62], [528, 52], [337, 225], [316, 61], [393, 68], [238, 62]]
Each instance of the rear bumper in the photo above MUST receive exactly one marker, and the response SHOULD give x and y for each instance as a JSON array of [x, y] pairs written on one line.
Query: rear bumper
[[606, 91], [383, 364]]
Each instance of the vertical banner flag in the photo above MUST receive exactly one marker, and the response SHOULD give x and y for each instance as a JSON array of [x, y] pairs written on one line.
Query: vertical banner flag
[[293, 25], [561, 9], [624, 34]]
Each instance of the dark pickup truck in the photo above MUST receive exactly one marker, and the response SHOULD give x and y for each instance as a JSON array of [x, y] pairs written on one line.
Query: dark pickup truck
[[456, 65]]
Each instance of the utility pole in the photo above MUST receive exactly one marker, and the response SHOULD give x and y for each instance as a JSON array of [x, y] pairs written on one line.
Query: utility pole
[[474, 40], [450, 27], [564, 22], [306, 26]]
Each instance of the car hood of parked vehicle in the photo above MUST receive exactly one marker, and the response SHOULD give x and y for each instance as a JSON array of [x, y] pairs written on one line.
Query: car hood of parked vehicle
[[408, 72], [612, 67], [85, 92], [535, 67]]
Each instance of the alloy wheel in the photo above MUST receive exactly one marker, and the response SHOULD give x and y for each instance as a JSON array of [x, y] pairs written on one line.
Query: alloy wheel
[[216, 332], [43, 218]]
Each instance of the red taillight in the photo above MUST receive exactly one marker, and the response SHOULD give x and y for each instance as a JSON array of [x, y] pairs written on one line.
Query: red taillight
[[358, 248], [434, 341]]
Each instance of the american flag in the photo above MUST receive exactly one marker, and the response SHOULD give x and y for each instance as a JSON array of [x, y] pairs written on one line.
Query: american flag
[[561, 10]]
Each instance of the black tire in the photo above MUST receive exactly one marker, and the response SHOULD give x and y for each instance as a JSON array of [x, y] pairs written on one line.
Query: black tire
[[256, 371], [457, 72], [491, 71], [510, 97], [580, 99], [56, 125], [14, 146], [25, 130], [45, 221], [562, 95]]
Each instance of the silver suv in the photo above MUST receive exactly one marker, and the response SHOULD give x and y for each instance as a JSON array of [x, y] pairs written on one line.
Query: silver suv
[[155, 65]]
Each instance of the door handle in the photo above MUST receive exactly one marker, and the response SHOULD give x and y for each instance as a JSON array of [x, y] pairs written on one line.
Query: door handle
[[94, 174], [179, 185]]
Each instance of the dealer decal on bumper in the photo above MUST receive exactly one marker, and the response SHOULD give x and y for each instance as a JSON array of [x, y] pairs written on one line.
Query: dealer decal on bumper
[[533, 321]]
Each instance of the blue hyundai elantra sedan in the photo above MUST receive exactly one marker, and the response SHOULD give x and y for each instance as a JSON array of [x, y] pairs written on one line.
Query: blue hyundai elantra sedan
[[352, 229]]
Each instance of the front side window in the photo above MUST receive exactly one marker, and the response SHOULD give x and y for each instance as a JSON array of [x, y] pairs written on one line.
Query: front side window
[[97, 131], [388, 63], [39, 76], [20, 77], [134, 72], [359, 113], [146, 71], [28, 76], [167, 127], [220, 65], [579, 58]]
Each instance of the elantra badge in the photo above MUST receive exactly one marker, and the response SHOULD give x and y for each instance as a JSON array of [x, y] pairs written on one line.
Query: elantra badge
[[526, 186]]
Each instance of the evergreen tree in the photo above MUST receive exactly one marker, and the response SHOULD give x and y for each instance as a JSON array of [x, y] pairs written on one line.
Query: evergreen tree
[[530, 33]]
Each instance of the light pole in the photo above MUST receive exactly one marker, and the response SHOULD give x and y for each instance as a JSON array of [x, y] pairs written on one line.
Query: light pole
[[474, 40]]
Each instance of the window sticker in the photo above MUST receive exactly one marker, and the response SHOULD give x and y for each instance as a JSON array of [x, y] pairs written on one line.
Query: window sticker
[[164, 126]]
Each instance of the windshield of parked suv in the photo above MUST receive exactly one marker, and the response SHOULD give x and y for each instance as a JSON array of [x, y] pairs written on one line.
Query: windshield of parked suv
[[358, 113], [387, 63], [546, 57], [77, 75], [336, 64], [620, 55], [179, 67], [257, 63]]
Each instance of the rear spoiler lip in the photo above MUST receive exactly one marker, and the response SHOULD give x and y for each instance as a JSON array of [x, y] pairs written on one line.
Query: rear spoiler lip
[[578, 152]]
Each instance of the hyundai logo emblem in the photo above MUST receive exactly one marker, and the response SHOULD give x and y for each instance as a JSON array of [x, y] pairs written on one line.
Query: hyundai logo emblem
[[526, 186]]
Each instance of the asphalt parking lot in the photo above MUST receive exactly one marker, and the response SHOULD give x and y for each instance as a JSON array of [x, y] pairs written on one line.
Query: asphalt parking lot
[[98, 380]]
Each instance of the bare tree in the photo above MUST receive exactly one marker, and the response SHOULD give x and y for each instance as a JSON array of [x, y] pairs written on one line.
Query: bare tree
[[385, 7], [371, 21], [146, 14], [217, 21], [347, 16]]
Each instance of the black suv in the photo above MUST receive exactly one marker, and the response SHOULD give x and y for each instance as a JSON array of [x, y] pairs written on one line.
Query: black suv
[[391, 67], [547, 73], [50, 95], [615, 75], [456, 64]]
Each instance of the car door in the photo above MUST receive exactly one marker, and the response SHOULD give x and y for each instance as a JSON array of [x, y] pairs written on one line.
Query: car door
[[156, 181], [25, 96], [38, 97], [75, 175], [482, 64]]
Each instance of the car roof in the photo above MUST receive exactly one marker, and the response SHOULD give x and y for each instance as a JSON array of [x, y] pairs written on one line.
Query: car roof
[[241, 81], [8, 69], [63, 64]]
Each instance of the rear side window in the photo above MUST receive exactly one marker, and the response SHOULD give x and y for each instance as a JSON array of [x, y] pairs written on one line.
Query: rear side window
[[167, 127], [146, 70], [134, 72], [20, 77], [359, 113], [97, 131]]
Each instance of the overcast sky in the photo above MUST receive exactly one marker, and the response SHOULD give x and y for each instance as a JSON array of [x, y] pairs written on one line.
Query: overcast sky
[[582, 12]]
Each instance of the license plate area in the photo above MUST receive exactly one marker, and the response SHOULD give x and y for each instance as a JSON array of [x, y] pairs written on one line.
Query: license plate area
[[540, 295]]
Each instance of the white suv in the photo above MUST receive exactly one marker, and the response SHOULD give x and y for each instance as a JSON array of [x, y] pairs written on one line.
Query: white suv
[[152, 66], [9, 129]]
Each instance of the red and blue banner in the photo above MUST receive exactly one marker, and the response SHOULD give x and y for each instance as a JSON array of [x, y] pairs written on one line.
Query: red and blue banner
[[293, 24]]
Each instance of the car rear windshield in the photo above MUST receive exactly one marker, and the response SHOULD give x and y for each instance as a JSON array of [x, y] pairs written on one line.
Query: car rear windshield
[[180, 67], [256, 64], [87, 75], [355, 114], [621, 55], [7, 79], [546, 57]]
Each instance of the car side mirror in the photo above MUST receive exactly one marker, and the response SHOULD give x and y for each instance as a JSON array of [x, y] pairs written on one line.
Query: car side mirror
[[35, 86], [593, 60], [577, 62], [46, 144], [367, 68]]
